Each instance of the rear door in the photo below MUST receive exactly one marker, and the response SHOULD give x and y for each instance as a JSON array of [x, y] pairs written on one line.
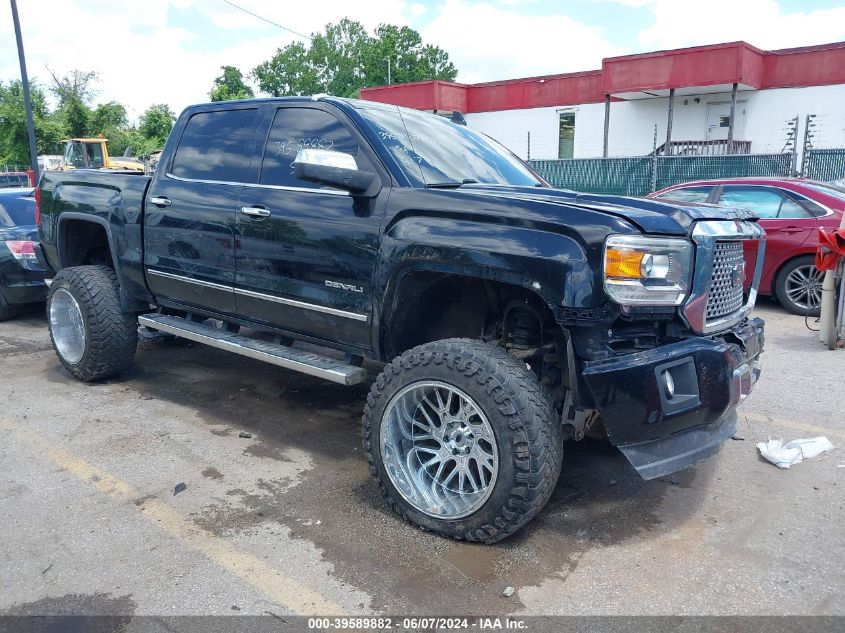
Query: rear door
[[307, 253], [191, 208], [788, 225]]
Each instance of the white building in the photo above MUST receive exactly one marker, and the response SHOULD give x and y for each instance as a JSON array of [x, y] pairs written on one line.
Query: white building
[[637, 102]]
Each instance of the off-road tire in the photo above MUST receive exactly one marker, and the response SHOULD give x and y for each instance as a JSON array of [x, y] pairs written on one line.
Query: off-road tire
[[527, 429], [111, 335], [780, 287], [6, 311]]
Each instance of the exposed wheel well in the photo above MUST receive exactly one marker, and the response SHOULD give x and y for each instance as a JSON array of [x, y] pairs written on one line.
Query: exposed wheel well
[[84, 243], [433, 306]]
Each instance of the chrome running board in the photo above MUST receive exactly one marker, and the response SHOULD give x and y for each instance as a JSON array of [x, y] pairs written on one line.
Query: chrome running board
[[280, 355]]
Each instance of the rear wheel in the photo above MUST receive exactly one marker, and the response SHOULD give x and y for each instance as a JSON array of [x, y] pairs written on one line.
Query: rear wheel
[[92, 337], [462, 439], [799, 286]]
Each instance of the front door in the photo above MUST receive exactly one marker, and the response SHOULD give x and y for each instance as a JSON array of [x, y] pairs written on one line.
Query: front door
[[306, 253], [191, 210], [787, 224], [719, 121]]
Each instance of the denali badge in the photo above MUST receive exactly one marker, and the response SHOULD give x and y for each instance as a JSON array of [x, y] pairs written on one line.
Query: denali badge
[[340, 286]]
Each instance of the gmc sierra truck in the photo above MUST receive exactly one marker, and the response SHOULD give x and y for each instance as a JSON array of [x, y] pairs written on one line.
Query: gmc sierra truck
[[505, 316]]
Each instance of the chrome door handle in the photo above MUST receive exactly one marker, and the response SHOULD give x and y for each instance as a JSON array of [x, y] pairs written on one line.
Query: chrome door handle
[[161, 201], [255, 212]]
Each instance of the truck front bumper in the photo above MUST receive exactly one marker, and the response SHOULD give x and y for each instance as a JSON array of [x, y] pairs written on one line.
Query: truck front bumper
[[672, 406]]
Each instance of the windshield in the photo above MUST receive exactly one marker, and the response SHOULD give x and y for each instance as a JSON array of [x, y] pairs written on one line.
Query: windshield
[[827, 189], [433, 151]]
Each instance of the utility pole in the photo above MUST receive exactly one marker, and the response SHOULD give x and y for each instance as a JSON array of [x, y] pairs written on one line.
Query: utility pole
[[388, 70], [30, 128]]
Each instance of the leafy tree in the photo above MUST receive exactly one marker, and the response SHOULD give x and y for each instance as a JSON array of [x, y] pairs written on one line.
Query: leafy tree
[[14, 142], [107, 117], [410, 59], [346, 58], [230, 85], [155, 124], [74, 92], [288, 72]]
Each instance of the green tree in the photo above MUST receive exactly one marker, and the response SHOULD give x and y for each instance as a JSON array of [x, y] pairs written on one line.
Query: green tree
[[108, 117], [410, 59], [288, 72], [110, 120], [14, 142], [75, 91], [154, 126], [346, 58], [230, 85]]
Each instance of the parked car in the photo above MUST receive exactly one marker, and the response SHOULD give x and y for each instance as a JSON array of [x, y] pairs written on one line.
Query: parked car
[[791, 210], [13, 179], [21, 276], [507, 315]]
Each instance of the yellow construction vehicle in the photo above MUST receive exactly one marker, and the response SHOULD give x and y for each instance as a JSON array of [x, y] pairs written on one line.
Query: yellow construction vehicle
[[92, 153]]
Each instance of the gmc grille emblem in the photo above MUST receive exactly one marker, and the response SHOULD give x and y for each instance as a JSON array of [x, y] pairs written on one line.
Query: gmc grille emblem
[[738, 275]]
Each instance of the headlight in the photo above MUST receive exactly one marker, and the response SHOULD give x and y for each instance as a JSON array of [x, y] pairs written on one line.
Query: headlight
[[651, 271]]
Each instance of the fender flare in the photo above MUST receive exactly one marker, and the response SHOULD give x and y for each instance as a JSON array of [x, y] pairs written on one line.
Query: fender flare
[[127, 303]]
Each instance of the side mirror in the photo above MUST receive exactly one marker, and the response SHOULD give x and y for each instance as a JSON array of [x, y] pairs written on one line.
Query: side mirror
[[336, 169]]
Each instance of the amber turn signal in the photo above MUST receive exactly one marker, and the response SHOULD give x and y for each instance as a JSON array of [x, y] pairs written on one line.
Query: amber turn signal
[[626, 264]]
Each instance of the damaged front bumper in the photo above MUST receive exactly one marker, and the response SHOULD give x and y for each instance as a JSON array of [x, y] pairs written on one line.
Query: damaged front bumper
[[670, 407]]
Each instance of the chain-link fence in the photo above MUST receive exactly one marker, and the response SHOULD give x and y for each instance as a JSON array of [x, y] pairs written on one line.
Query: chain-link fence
[[641, 175], [672, 170], [621, 176], [825, 164]]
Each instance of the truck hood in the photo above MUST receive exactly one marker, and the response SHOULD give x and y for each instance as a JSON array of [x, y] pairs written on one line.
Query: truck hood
[[650, 216]]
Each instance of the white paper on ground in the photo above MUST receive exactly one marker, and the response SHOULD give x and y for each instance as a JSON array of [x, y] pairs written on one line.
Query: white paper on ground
[[784, 456]]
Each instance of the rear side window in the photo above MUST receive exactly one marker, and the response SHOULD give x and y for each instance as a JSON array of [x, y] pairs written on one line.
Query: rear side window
[[687, 194], [217, 146], [301, 128], [764, 202], [19, 212]]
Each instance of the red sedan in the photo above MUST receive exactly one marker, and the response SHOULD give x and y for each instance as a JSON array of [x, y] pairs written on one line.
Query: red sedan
[[791, 210]]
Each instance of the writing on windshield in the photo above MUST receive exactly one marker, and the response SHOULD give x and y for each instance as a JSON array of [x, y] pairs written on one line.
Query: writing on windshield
[[432, 150]]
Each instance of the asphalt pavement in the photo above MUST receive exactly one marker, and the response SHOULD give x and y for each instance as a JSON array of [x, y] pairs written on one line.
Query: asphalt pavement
[[276, 511]]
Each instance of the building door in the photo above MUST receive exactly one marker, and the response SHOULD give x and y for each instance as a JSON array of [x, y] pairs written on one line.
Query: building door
[[719, 121], [566, 135]]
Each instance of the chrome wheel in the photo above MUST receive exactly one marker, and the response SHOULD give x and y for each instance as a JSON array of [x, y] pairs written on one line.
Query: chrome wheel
[[803, 287], [67, 326], [439, 450]]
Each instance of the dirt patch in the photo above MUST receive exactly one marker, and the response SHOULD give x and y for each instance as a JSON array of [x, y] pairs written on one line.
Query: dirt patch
[[212, 473]]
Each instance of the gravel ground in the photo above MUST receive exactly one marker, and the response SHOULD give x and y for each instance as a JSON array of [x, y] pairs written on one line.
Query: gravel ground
[[288, 519]]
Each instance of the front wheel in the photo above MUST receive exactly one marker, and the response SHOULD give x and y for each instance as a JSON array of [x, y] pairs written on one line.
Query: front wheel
[[799, 286], [92, 337], [462, 439]]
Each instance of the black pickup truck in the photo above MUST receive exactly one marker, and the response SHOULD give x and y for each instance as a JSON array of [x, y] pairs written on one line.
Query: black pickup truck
[[509, 316]]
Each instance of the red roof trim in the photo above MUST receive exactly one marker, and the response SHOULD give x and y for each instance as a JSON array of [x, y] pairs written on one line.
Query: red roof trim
[[713, 64]]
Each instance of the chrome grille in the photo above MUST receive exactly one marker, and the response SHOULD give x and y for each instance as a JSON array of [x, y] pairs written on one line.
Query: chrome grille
[[727, 281]]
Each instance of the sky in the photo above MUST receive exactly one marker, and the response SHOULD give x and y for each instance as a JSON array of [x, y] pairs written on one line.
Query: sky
[[170, 51]]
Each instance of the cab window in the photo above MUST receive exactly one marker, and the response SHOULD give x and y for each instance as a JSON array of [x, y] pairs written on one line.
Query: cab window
[[764, 202], [687, 194], [294, 129], [217, 146]]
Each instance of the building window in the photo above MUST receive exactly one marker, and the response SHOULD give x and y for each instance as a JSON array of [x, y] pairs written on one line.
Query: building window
[[566, 137]]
